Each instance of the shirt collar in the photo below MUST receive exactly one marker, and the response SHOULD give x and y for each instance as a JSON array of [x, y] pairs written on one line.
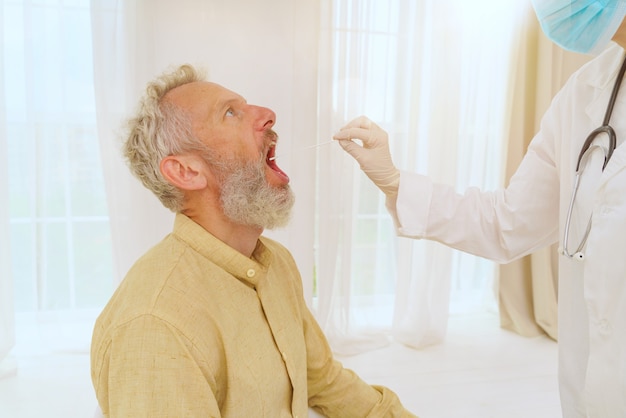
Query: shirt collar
[[249, 270]]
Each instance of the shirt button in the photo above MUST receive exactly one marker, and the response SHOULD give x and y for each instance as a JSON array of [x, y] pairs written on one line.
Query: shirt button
[[284, 356], [250, 273]]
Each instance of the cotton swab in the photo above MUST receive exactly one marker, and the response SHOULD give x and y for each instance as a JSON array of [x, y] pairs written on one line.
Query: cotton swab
[[304, 148], [317, 145]]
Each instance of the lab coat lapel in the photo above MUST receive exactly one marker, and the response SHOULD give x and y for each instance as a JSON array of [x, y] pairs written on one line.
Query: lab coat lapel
[[596, 110], [602, 82]]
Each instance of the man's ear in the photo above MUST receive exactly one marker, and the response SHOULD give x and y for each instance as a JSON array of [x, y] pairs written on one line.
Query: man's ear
[[184, 171]]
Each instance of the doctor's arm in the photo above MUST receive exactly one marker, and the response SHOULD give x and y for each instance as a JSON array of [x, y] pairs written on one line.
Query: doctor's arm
[[500, 225]]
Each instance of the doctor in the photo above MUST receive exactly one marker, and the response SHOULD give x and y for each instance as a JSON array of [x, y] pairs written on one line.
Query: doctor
[[540, 206]]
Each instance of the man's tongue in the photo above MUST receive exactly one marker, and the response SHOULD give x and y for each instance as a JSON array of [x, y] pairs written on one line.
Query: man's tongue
[[280, 172]]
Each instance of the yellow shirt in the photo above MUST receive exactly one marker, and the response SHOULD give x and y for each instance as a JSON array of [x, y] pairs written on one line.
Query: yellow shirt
[[197, 329]]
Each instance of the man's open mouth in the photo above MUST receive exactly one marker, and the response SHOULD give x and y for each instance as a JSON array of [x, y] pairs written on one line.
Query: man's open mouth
[[271, 153], [270, 160]]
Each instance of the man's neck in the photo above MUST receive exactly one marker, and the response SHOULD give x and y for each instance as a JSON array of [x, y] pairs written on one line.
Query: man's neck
[[242, 238]]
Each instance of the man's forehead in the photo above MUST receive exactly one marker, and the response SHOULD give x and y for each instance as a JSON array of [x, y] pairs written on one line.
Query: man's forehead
[[201, 93]]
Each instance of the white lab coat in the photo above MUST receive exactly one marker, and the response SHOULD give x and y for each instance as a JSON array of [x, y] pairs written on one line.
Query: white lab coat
[[530, 214]]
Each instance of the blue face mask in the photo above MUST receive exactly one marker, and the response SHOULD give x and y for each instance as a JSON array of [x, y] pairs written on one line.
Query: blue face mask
[[584, 26]]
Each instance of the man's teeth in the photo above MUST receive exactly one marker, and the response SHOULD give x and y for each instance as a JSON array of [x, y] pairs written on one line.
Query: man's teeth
[[272, 145]]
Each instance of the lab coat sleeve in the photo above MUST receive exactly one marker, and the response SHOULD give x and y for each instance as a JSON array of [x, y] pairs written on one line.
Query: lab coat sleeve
[[502, 225]]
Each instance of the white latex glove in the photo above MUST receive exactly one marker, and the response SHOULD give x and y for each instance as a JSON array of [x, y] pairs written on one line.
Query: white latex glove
[[373, 156]]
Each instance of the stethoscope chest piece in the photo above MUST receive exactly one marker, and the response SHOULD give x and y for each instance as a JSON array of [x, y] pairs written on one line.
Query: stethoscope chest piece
[[578, 255]]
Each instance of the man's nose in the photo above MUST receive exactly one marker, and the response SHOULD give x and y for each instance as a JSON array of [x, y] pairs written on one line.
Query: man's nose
[[265, 118]]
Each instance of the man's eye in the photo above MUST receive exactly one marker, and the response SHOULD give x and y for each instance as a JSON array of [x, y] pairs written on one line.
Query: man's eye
[[230, 112]]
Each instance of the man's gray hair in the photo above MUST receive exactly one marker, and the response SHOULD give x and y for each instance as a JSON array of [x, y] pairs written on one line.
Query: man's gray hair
[[160, 129]]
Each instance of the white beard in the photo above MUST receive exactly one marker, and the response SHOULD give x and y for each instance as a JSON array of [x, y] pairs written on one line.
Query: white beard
[[248, 199]]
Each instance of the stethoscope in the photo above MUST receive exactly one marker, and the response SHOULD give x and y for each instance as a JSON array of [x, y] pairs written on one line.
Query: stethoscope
[[607, 129]]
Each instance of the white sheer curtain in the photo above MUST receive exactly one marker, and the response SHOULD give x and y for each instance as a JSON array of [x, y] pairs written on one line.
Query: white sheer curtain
[[7, 322], [58, 234], [434, 74], [267, 54]]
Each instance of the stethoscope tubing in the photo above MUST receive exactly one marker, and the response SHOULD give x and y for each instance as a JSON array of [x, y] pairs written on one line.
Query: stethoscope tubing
[[605, 128]]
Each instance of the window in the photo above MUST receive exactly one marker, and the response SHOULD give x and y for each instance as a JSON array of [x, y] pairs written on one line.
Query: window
[[60, 242], [433, 76]]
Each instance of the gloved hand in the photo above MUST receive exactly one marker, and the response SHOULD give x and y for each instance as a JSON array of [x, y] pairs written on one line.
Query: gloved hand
[[373, 156]]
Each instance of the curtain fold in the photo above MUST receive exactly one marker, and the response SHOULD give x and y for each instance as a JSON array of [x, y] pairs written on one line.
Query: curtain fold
[[528, 288], [7, 316], [431, 74], [122, 64]]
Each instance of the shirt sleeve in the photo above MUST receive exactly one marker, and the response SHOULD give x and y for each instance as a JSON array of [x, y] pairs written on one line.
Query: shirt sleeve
[[338, 392], [149, 372], [500, 225]]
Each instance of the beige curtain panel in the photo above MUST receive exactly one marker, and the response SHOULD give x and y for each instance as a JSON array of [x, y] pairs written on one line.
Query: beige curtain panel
[[528, 288]]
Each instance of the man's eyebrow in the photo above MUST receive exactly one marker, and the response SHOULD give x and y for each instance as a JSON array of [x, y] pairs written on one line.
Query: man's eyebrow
[[224, 104]]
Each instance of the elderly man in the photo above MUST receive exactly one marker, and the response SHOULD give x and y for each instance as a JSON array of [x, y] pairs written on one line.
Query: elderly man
[[211, 322]]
